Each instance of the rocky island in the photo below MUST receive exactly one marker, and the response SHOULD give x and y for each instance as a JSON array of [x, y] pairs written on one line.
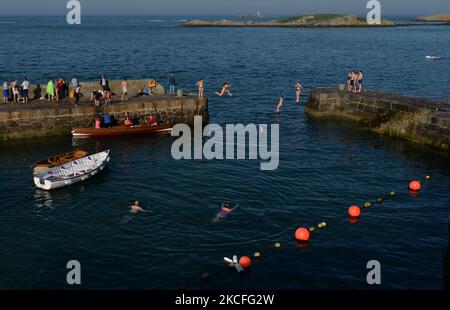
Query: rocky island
[[313, 20], [435, 18]]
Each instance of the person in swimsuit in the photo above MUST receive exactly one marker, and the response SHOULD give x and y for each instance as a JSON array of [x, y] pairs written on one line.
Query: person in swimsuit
[[298, 91], [224, 212], [349, 80], [124, 89], [15, 93], [136, 208], [354, 81], [280, 104], [360, 81], [226, 88], [201, 88]]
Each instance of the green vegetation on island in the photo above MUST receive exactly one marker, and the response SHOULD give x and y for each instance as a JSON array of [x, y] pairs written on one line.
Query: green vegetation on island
[[435, 18], [313, 20]]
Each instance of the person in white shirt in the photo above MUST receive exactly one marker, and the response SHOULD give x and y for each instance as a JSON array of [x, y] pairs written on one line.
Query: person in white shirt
[[25, 88]]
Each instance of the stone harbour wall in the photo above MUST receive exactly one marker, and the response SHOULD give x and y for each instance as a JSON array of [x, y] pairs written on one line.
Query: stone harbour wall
[[417, 120]]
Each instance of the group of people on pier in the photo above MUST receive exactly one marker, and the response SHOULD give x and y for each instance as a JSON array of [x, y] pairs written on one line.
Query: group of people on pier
[[60, 89]]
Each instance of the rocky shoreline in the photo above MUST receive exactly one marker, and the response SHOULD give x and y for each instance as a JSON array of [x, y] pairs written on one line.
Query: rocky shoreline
[[321, 20], [314, 20], [439, 18]]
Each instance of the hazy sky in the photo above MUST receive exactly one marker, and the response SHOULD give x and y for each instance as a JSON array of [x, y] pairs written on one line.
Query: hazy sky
[[222, 7]]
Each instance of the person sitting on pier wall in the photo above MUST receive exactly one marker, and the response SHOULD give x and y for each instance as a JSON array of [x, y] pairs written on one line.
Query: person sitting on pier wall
[[98, 124], [143, 92], [37, 93], [5, 92]]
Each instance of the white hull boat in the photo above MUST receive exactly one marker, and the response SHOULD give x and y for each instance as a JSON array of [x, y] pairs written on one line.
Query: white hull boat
[[73, 172]]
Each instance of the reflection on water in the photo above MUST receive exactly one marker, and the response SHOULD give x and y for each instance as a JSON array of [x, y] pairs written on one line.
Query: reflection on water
[[43, 199]]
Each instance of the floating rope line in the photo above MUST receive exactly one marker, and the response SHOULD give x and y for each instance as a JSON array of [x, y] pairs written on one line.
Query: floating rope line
[[302, 235]]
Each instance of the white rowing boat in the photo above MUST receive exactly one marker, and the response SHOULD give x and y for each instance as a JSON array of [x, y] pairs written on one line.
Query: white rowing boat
[[72, 172]]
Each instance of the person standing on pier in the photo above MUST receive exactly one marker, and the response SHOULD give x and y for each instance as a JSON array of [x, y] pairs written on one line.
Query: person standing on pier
[[25, 88], [104, 83], [124, 89], [201, 88], [349, 80], [50, 90], [5, 91], [74, 84], [172, 84], [298, 91], [360, 81], [77, 94]]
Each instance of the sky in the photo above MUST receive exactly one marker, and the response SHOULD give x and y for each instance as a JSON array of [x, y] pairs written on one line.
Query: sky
[[222, 7]]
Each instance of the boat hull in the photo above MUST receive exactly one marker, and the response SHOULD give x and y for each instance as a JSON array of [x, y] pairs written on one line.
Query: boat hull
[[42, 181], [120, 131]]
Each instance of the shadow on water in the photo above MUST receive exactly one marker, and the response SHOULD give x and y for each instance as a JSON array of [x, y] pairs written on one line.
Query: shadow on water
[[352, 134]]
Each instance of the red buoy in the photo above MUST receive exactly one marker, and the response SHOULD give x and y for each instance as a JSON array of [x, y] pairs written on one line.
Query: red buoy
[[302, 234], [415, 186], [354, 211], [245, 262]]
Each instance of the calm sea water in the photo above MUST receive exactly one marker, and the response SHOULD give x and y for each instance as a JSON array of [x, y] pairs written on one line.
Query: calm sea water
[[325, 165]]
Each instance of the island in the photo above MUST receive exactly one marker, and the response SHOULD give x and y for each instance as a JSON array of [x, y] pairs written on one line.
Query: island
[[313, 20], [435, 18]]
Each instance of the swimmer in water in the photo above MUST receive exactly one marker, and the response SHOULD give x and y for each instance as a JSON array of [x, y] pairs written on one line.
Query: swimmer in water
[[224, 212], [136, 208], [280, 104], [226, 88]]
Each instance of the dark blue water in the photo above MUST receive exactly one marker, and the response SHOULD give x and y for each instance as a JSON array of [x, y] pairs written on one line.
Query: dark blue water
[[325, 166]]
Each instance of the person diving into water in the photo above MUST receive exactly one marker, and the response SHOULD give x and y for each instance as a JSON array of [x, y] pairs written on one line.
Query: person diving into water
[[226, 89], [225, 210]]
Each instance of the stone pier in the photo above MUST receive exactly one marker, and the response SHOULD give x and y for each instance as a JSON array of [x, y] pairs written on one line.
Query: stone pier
[[417, 120], [41, 118]]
